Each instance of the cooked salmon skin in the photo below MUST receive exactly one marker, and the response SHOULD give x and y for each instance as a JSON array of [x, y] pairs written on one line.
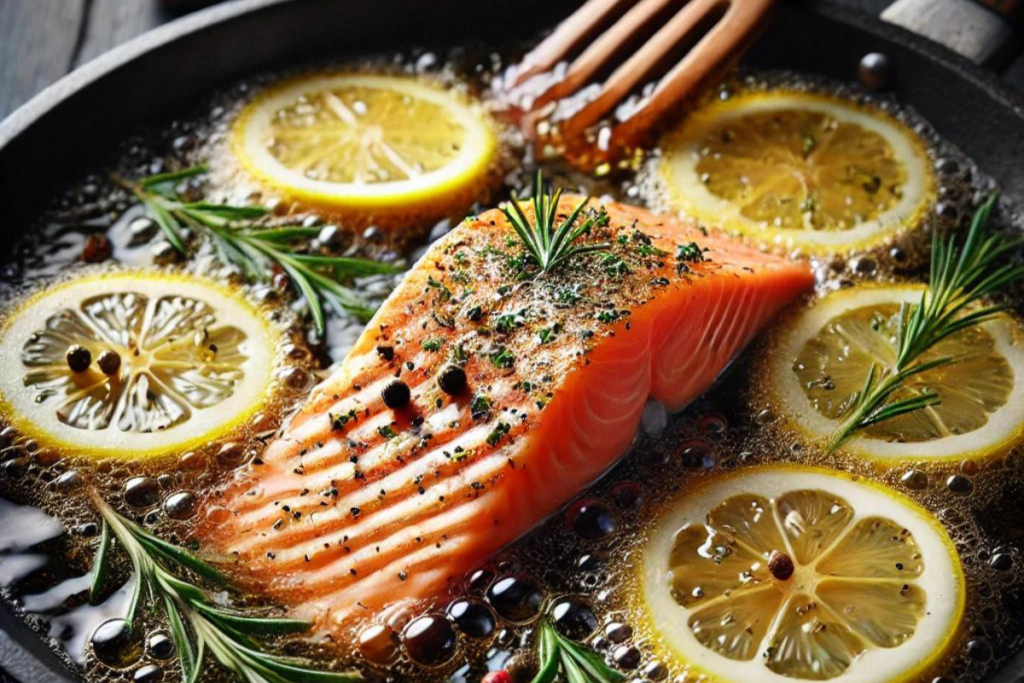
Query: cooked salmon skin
[[358, 505]]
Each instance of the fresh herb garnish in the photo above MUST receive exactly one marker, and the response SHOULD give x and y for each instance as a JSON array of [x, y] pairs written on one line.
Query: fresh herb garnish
[[480, 406], [614, 265], [242, 237], [432, 344], [499, 431], [689, 253], [959, 279], [548, 245], [577, 662], [549, 334], [199, 626], [503, 358], [506, 322]]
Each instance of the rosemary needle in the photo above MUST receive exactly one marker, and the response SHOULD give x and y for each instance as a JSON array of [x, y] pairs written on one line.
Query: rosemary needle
[[241, 237], [577, 662], [960, 279], [550, 245], [199, 626]]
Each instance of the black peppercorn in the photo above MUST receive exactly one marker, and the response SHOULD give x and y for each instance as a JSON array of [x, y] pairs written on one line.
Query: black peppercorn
[[78, 358], [780, 565], [109, 362], [451, 379], [396, 394]]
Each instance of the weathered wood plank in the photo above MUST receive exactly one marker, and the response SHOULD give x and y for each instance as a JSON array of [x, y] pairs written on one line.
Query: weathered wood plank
[[112, 22], [38, 40]]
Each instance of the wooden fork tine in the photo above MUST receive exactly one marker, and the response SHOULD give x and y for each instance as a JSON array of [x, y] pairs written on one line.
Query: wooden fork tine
[[567, 36], [713, 51], [722, 45], [587, 64], [634, 70]]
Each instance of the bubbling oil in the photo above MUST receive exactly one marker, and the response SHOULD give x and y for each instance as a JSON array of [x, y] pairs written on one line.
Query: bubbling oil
[[576, 569]]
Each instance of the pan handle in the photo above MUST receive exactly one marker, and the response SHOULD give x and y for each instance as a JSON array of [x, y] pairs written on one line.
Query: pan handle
[[978, 29]]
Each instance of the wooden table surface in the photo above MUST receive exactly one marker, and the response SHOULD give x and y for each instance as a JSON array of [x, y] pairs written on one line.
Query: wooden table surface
[[41, 40]]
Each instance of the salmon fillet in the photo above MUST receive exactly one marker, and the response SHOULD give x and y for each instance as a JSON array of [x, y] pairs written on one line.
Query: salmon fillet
[[357, 505]]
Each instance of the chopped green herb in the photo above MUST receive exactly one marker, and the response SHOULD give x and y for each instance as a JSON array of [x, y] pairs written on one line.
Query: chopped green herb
[[499, 431], [480, 406], [503, 358], [506, 322], [568, 295], [689, 253], [614, 265], [549, 334], [434, 344], [339, 421]]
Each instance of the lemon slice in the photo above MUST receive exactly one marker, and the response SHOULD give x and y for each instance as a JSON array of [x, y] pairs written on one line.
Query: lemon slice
[[134, 364], [786, 573], [819, 361], [377, 146], [798, 170]]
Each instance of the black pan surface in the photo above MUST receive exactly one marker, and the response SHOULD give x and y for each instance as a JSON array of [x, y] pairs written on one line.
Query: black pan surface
[[71, 124]]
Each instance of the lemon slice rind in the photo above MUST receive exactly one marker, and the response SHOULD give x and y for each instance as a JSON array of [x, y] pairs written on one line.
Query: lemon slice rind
[[942, 580], [204, 424], [677, 169], [458, 177], [1004, 428]]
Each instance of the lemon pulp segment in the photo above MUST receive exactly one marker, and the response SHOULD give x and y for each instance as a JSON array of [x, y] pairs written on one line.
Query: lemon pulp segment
[[195, 360], [367, 142], [798, 170], [824, 358], [785, 573]]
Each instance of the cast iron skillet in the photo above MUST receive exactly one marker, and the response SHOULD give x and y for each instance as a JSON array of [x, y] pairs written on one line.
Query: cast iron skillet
[[76, 121]]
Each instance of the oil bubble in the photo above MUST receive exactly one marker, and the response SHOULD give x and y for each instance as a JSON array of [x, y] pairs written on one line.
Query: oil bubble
[[377, 644], [517, 598], [141, 492], [160, 646], [430, 640], [959, 484], [180, 505], [472, 616], [573, 618], [591, 519], [149, 673], [617, 632], [626, 656], [914, 479], [627, 495], [113, 644], [479, 580]]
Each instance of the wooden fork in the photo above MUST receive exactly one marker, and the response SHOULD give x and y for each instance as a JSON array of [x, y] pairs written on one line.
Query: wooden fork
[[712, 33]]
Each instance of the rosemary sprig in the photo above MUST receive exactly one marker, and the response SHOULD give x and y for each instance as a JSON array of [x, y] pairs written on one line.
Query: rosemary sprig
[[241, 237], [577, 662], [200, 627], [959, 279], [548, 245]]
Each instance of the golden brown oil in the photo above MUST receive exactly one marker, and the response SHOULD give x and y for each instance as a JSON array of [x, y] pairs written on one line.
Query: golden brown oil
[[591, 561]]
